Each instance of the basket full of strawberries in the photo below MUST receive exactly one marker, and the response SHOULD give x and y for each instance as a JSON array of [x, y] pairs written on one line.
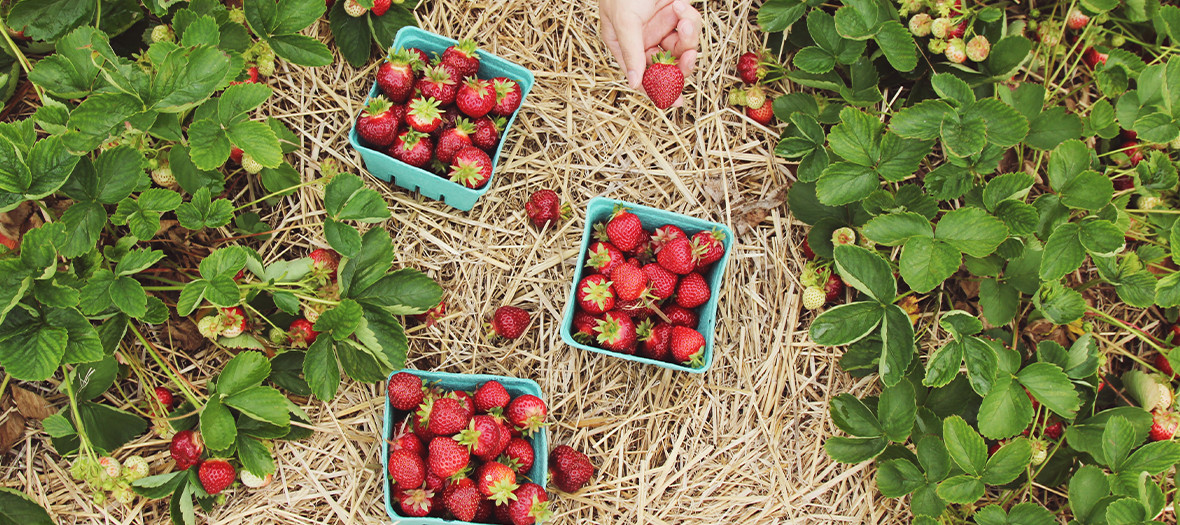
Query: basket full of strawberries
[[436, 117], [646, 285]]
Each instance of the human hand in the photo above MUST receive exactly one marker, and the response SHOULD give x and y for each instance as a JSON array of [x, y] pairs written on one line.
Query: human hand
[[634, 30]]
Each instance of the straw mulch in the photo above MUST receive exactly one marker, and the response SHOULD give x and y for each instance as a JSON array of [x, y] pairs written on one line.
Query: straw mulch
[[741, 444]]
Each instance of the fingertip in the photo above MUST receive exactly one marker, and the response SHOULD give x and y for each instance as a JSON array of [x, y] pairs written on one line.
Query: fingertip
[[633, 79], [679, 102]]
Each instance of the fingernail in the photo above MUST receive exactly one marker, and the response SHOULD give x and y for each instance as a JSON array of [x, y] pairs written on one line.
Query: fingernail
[[633, 78]]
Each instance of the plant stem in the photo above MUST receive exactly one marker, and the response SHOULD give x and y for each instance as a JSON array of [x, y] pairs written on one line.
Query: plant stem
[[4, 384], [167, 367], [20, 57], [83, 439], [280, 192]]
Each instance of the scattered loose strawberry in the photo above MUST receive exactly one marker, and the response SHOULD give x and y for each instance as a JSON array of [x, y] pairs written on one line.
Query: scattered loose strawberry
[[527, 412], [413, 148], [663, 81], [545, 207], [688, 346], [692, 291], [471, 167], [530, 506], [616, 331], [508, 322], [446, 457], [464, 56], [508, 96], [405, 391], [476, 97], [1163, 425], [571, 469], [216, 475]]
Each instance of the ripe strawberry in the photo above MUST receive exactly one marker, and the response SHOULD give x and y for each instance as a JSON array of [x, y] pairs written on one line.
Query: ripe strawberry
[[655, 339], [763, 114], [584, 326], [527, 413], [233, 321], [447, 417], [624, 230], [471, 167], [302, 333], [487, 133], [462, 501], [957, 31], [571, 469], [544, 208], [638, 309], [1076, 20], [1123, 183], [530, 506], [395, 76], [661, 282], [416, 503], [476, 97], [491, 395], [413, 148], [420, 419], [663, 234], [833, 288], [378, 123], [405, 391], [616, 331], [463, 56], [216, 475], [439, 84], [688, 346], [451, 140], [508, 96], [692, 291], [1092, 57], [508, 322], [708, 247], [1134, 155], [434, 483], [956, 51], [629, 282], [408, 442], [680, 316], [750, 69], [424, 115], [235, 154], [1055, 430], [677, 256], [814, 297], [446, 457], [164, 396], [1163, 425], [1161, 363], [380, 7], [663, 81], [518, 455], [603, 257], [466, 400], [407, 469], [481, 437], [496, 481], [354, 8]]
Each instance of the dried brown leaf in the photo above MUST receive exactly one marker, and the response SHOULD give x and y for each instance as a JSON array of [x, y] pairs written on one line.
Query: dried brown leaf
[[31, 405], [12, 426]]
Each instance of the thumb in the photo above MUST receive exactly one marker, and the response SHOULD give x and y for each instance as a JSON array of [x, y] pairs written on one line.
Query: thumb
[[630, 34]]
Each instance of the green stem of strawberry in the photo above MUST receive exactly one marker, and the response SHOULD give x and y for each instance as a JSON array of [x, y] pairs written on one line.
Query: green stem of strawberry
[[83, 439], [312, 299], [166, 367], [280, 192], [4, 384], [20, 57]]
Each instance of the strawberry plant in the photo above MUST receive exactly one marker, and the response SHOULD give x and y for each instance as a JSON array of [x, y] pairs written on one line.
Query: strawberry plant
[[996, 185], [376, 22]]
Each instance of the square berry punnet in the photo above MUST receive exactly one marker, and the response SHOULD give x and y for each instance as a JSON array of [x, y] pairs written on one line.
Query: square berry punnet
[[599, 210], [539, 474], [428, 184]]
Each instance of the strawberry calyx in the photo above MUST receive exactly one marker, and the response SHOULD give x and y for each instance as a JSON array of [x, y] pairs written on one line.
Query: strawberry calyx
[[411, 138], [598, 293], [464, 126], [663, 57], [425, 109], [467, 48], [438, 75], [403, 57], [378, 106], [503, 88], [466, 172]]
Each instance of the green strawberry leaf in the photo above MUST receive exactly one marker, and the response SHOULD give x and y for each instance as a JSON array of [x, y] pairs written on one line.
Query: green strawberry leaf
[[898, 477]]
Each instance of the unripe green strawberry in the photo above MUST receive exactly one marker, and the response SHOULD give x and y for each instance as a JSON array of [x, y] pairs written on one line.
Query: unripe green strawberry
[[1147, 202], [940, 26], [354, 8], [1166, 397], [936, 46], [906, 7], [844, 236], [135, 468], [123, 495], [100, 498], [249, 164], [110, 467], [920, 24], [210, 326], [253, 481], [755, 97], [1040, 452], [238, 15], [814, 297], [84, 469], [956, 51], [978, 48], [266, 63], [278, 336], [1175, 144], [163, 33], [1117, 40], [163, 177]]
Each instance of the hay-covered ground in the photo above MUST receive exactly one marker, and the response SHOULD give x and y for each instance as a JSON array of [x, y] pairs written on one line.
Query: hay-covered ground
[[741, 444]]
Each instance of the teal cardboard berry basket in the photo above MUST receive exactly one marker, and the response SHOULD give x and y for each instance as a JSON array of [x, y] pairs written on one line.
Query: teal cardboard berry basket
[[516, 387], [600, 209], [424, 182]]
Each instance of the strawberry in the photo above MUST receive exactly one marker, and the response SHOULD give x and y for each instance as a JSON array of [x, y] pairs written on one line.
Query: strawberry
[[571, 469], [1076, 20], [603, 257], [481, 437], [692, 291], [413, 148], [978, 48], [379, 123], [186, 448], [584, 325], [432, 315], [496, 481], [409, 442], [750, 68], [406, 469], [680, 316], [471, 167], [487, 133], [405, 391], [1123, 183], [447, 417], [1163, 425], [235, 154], [616, 331], [435, 483], [629, 282], [380, 7], [508, 322], [233, 321], [164, 396], [763, 114], [164, 178], [1161, 363], [302, 333], [1055, 430], [527, 413], [544, 208], [677, 256], [663, 81], [655, 339], [255, 481], [476, 97], [956, 51], [665, 233], [921, 24], [466, 400], [638, 309], [518, 455], [162, 33], [420, 419], [416, 503], [216, 475], [424, 115], [354, 8], [464, 57], [595, 294], [530, 506], [462, 501], [1134, 155], [624, 230], [661, 282], [446, 457], [437, 83], [939, 27], [957, 31], [485, 511], [451, 140], [707, 247], [687, 346], [395, 76], [1092, 57], [508, 96], [814, 297], [491, 395], [833, 288]]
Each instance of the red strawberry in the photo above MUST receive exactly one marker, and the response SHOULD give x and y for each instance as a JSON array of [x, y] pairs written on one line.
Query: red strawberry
[[584, 325], [409, 442], [629, 282], [958, 31], [1133, 151], [447, 417], [405, 391], [496, 481], [466, 400], [508, 96], [507, 432], [571, 469], [676, 256], [708, 247], [527, 413], [680, 316], [406, 469], [476, 97], [1123, 183], [530, 506], [462, 501], [235, 154], [603, 257], [833, 288], [251, 76], [325, 262], [638, 309], [186, 448], [1163, 425], [1161, 363], [416, 503], [518, 455], [424, 115], [302, 333], [544, 208], [216, 475], [485, 512], [379, 122], [508, 322], [763, 114], [750, 69], [1076, 20], [481, 437], [413, 148], [446, 457], [432, 315], [692, 291], [665, 233], [595, 294], [380, 7], [688, 346], [233, 321], [1055, 430], [1092, 57], [395, 76], [491, 395], [663, 81], [164, 396], [661, 282], [624, 230], [437, 83], [616, 331], [454, 139], [463, 56], [487, 133], [807, 253], [655, 339], [420, 419], [471, 167], [435, 483]]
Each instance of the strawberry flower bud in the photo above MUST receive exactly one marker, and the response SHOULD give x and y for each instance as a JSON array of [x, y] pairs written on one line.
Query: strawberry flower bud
[[936, 46], [920, 24]]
